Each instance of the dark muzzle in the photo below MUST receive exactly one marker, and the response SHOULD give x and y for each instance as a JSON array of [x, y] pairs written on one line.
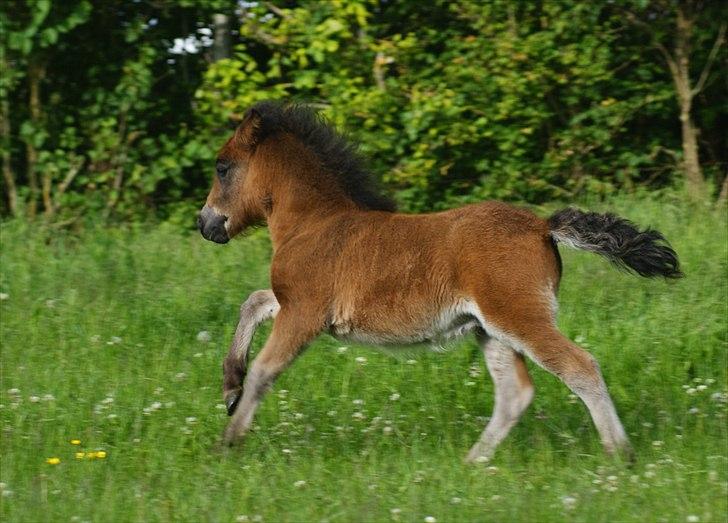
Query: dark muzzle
[[212, 225]]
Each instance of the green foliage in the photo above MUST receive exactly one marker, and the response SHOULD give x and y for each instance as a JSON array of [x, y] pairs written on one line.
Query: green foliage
[[115, 313], [451, 101], [464, 100], [115, 114]]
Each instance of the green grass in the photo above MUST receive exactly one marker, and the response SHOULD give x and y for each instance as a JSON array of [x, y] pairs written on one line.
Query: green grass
[[106, 323]]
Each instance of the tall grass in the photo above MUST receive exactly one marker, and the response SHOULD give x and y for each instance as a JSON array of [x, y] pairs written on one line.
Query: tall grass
[[100, 344]]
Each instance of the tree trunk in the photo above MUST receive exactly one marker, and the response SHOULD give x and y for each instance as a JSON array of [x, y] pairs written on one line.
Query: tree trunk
[[8, 174], [694, 177], [36, 73], [681, 76], [34, 77], [723, 196], [221, 46]]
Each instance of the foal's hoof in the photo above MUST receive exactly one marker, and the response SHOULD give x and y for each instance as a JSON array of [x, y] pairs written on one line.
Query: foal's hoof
[[480, 453], [232, 399], [232, 437]]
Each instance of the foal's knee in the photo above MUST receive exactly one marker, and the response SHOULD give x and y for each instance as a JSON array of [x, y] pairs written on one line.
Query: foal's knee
[[255, 300]]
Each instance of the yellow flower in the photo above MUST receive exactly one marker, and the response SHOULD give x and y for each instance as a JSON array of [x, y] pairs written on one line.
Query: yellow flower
[[75, 442], [80, 455], [101, 454], [53, 461]]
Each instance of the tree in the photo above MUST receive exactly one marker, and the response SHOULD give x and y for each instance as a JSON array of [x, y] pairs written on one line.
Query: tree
[[31, 29], [691, 20], [101, 102]]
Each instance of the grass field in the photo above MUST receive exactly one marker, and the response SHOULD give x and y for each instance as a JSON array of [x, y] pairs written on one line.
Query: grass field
[[100, 344]]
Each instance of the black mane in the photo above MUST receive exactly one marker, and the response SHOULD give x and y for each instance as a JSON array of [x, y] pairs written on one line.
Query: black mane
[[338, 156]]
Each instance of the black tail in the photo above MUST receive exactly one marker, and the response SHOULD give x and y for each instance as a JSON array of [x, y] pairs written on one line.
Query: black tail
[[645, 252]]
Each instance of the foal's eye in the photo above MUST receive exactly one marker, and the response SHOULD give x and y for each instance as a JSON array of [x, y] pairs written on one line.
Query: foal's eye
[[222, 169]]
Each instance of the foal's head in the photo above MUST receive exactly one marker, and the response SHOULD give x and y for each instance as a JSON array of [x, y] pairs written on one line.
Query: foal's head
[[277, 153], [235, 200]]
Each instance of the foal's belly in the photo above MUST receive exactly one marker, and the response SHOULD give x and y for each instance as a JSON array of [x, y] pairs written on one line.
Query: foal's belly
[[398, 328]]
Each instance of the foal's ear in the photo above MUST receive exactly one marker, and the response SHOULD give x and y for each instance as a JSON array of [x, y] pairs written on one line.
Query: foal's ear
[[250, 129]]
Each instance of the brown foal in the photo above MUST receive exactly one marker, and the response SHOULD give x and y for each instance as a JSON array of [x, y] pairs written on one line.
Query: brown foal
[[345, 263]]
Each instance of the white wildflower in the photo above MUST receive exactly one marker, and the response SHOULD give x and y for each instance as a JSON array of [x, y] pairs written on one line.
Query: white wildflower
[[33, 399], [394, 396], [692, 518], [300, 483], [4, 296], [569, 502], [430, 519], [342, 350], [361, 360], [204, 337]]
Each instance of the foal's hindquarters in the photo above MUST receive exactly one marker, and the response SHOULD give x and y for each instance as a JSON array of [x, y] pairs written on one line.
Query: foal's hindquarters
[[401, 279]]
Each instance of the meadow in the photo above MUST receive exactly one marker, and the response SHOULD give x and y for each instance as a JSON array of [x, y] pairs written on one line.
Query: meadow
[[111, 410]]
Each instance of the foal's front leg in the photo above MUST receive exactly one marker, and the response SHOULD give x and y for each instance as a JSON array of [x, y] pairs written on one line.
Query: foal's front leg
[[260, 306], [291, 331]]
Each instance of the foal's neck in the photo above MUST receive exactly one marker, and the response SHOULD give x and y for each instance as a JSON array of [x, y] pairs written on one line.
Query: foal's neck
[[291, 216], [302, 196]]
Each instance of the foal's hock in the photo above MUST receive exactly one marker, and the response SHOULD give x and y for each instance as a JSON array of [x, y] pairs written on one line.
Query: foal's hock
[[344, 262]]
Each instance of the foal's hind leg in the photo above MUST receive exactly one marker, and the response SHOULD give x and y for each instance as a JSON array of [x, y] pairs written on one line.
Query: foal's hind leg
[[579, 371], [513, 394], [260, 306]]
